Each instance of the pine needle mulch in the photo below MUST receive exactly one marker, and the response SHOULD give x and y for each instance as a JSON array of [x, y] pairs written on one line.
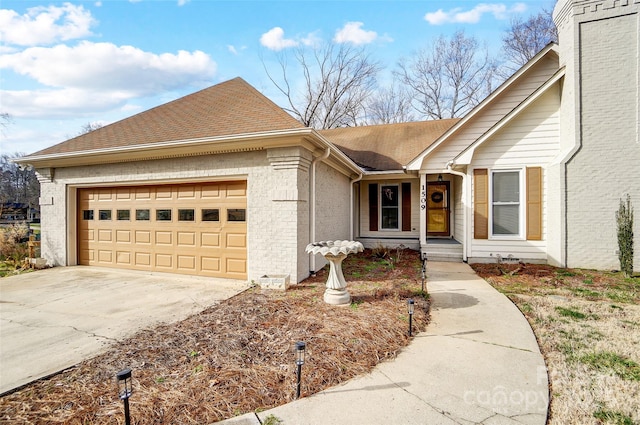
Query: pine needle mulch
[[237, 356]]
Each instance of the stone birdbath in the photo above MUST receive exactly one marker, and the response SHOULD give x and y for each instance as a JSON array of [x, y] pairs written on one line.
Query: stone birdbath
[[335, 252]]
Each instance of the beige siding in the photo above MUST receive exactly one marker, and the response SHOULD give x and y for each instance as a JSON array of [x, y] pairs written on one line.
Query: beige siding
[[491, 114], [530, 139]]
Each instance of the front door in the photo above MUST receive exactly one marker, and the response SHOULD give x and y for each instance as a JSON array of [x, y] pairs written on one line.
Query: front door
[[438, 209]]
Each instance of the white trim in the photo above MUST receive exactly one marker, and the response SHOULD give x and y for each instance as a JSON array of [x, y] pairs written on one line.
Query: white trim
[[416, 163], [398, 208], [521, 203], [465, 157]]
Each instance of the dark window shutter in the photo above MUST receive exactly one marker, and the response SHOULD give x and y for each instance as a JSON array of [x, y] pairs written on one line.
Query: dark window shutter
[[373, 207], [480, 203], [406, 207], [534, 203]]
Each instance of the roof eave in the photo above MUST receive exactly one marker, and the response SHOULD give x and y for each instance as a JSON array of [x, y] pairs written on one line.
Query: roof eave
[[306, 137]]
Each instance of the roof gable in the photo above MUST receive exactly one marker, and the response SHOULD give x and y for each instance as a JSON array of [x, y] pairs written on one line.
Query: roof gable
[[549, 51], [389, 146], [229, 108]]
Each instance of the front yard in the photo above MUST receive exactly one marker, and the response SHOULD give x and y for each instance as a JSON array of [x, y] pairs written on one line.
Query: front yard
[[588, 327], [237, 357]]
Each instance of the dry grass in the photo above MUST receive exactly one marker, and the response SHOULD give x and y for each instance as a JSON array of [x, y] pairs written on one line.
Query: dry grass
[[588, 328], [237, 357]]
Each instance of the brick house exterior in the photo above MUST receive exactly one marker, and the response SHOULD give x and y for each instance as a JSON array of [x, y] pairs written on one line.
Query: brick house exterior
[[534, 172]]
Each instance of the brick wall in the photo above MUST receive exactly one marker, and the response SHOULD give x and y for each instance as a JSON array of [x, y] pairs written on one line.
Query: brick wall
[[602, 84], [277, 201]]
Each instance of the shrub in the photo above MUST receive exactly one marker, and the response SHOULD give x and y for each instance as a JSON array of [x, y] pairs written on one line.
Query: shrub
[[12, 242], [624, 220]]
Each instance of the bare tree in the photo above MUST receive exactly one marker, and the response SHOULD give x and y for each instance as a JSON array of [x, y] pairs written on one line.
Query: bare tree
[[389, 105], [89, 127], [337, 81], [17, 184], [525, 38], [5, 120], [450, 78]]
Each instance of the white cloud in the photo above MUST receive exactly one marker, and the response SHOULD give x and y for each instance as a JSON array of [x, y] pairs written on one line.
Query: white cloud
[[182, 2], [353, 33], [457, 15], [105, 66], [103, 76], [236, 51], [45, 25], [60, 103], [274, 40]]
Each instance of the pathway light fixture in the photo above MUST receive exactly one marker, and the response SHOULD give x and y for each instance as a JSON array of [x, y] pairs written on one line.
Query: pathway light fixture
[[410, 305], [300, 349], [125, 390]]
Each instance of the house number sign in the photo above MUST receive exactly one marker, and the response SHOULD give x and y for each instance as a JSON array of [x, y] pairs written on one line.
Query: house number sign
[[423, 198]]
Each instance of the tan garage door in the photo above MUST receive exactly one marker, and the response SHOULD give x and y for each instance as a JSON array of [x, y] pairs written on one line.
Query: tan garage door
[[197, 229]]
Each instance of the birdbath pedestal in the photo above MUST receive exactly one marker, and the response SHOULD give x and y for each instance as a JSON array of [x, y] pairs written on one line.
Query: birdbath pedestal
[[335, 252]]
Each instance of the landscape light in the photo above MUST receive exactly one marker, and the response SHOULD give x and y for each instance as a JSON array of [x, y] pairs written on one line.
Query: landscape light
[[125, 389], [300, 348], [410, 305]]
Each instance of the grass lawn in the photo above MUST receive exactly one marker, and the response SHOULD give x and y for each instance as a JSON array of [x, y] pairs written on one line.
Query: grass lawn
[[588, 327]]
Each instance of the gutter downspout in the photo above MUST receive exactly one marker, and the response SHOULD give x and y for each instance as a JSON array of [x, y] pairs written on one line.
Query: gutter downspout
[[312, 207], [351, 201], [450, 170]]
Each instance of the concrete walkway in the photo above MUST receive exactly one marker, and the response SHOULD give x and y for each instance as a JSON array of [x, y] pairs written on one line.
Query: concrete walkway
[[477, 363]]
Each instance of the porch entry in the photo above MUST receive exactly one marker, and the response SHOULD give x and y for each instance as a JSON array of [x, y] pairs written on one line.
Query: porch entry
[[438, 217]]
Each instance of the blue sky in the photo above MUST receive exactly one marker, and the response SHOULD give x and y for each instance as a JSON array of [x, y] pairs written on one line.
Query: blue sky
[[66, 64]]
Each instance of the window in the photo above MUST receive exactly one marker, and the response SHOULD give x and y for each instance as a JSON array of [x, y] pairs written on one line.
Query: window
[[186, 215], [124, 215], [142, 215], [211, 215], [87, 214], [104, 214], [505, 203], [389, 207], [236, 214], [163, 215]]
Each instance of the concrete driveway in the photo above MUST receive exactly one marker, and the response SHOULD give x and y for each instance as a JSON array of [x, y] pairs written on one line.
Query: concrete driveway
[[53, 319]]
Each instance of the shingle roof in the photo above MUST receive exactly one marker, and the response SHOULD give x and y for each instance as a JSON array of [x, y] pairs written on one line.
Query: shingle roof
[[231, 107], [388, 146]]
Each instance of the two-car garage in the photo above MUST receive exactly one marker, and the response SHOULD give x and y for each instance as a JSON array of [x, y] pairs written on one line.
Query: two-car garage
[[197, 229]]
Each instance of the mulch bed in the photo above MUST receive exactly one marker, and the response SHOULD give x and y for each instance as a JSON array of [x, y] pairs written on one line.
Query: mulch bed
[[237, 357]]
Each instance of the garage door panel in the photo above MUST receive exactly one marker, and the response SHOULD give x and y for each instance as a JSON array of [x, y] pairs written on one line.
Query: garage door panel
[[143, 259], [210, 192], [123, 257], [123, 236], [164, 238], [105, 256], [196, 237], [164, 193], [210, 264], [236, 265], [186, 239], [104, 235], [236, 240], [210, 240], [164, 260], [143, 237], [187, 263], [186, 192]]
